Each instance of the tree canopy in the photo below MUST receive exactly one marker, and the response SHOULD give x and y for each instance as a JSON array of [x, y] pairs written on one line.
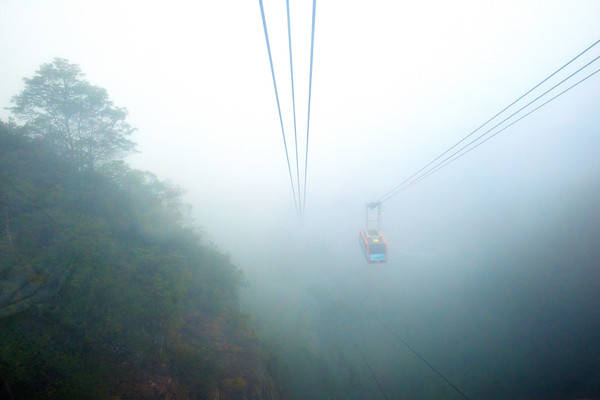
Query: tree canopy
[[77, 118]]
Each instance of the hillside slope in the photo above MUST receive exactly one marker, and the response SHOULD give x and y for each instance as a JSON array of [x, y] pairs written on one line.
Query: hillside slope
[[106, 291]]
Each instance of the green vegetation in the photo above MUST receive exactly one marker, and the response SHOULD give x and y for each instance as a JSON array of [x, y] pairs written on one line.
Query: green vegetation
[[106, 290], [76, 118]]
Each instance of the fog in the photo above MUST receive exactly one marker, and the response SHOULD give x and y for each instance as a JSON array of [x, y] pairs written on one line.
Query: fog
[[493, 275]]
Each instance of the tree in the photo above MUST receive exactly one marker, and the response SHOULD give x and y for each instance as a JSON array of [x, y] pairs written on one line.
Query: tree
[[75, 117]]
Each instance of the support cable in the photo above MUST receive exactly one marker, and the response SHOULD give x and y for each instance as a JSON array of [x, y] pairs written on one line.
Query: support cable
[[373, 375], [287, 4], [420, 357], [392, 332], [450, 159], [398, 187], [262, 13], [310, 76], [358, 346]]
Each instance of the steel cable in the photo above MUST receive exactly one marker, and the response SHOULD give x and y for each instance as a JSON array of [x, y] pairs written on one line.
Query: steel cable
[[399, 187], [417, 176], [262, 13], [289, 29], [310, 76], [456, 157]]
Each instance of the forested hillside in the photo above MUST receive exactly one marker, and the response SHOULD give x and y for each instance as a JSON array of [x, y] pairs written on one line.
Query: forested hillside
[[106, 288]]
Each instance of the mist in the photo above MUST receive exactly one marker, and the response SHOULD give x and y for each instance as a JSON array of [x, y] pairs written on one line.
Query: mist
[[493, 280]]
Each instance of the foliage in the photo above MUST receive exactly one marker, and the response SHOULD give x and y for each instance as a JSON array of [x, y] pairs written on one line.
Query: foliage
[[99, 273], [75, 117]]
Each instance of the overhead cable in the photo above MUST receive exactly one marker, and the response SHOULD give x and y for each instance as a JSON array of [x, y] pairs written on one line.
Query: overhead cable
[[373, 375], [450, 159], [386, 327], [415, 175], [358, 347], [310, 76], [444, 162], [420, 357], [289, 29], [262, 13]]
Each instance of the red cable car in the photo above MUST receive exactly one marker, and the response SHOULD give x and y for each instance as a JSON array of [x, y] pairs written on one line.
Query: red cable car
[[371, 239]]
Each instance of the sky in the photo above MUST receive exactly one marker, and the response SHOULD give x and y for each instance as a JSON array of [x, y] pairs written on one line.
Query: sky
[[394, 84]]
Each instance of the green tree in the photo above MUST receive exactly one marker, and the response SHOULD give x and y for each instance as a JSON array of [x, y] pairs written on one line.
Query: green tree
[[77, 118]]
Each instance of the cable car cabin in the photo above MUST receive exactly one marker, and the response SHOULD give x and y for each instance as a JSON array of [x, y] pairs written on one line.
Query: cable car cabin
[[374, 246]]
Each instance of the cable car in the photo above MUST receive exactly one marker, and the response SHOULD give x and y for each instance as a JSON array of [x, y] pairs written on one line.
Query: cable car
[[371, 239]]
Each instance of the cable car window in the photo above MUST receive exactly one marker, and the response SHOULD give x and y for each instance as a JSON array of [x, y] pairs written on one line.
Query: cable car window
[[377, 248]]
